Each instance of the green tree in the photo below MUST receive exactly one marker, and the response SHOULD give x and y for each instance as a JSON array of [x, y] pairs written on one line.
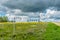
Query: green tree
[[3, 19]]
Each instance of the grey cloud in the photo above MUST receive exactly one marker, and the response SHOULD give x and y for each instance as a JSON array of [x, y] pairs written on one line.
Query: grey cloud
[[2, 1], [55, 15], [2, 8], [32, 5]]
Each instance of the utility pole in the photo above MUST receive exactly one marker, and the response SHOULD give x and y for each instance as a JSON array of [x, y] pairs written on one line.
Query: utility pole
[[14, 27]]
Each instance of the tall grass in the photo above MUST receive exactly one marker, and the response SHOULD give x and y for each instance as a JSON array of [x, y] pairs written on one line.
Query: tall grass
[[29, 31]]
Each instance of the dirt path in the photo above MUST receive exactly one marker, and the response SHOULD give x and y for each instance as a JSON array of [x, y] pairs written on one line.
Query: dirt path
[[57, 23]]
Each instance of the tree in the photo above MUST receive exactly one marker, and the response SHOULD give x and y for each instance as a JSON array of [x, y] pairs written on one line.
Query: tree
[[3, 19]]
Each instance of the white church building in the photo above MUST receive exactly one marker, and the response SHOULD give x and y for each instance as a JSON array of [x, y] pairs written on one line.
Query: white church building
[[23, 18], [18, 18]]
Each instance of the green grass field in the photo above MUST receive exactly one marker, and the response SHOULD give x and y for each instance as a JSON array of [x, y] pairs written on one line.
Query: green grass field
[[29, 31]]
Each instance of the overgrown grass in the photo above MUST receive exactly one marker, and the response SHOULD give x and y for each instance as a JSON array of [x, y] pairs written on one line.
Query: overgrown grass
[[29, 31], [52, 32]]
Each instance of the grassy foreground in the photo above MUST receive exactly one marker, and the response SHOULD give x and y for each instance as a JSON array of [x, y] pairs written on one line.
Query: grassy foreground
[[29, 31]]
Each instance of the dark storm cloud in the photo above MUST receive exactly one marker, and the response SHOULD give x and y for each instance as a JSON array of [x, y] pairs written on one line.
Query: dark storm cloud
[[32, 5]]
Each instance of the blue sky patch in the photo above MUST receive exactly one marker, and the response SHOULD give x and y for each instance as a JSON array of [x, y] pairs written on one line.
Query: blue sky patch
[[2, 14]]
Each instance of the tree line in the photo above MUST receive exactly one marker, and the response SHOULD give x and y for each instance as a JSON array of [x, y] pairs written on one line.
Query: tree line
[[4, 19]]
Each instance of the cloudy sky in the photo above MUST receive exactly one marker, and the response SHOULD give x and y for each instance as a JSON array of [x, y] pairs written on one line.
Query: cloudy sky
[[49, 9]]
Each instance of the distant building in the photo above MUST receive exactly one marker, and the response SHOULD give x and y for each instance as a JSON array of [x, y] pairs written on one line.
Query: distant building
[[18, 18], [34, 19], [21, 18], [24, 18]]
